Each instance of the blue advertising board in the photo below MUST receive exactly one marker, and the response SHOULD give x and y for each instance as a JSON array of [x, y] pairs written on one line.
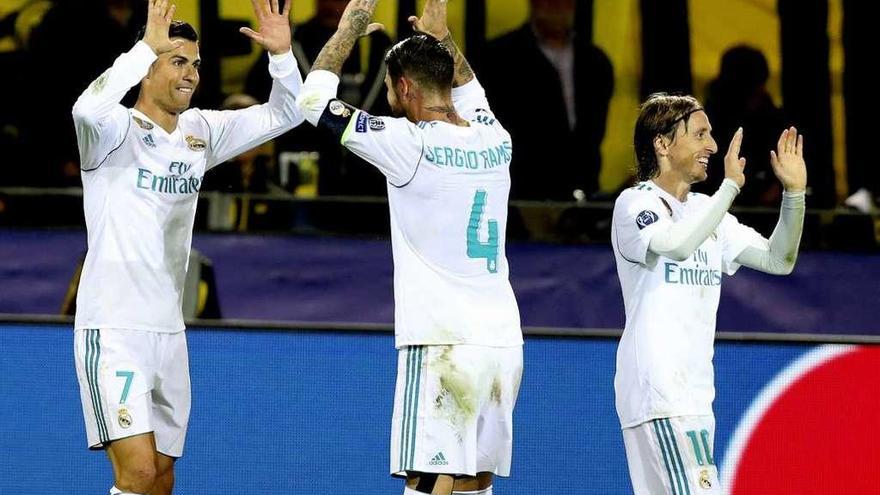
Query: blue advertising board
[[308, 411]]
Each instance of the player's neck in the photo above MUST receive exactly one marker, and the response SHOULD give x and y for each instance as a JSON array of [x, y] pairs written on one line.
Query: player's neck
[[440, 109], [164, 119], [675, 186]]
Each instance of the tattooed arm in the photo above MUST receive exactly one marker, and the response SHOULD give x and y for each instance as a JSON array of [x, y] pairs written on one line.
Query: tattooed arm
[[355, 23], [463, 72], [433, 23]]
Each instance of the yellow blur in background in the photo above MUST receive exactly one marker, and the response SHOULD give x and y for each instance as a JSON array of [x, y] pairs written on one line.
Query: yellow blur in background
[[716, 25]]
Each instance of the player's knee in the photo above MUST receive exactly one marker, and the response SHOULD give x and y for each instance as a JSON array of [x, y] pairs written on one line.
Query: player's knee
[[138, 477]]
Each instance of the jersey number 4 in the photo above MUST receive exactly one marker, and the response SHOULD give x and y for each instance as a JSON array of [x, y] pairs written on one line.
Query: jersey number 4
[[476, 248]]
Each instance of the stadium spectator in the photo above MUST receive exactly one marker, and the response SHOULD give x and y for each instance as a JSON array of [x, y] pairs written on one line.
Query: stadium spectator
[[738, 97], [104, 28], [556, 104]]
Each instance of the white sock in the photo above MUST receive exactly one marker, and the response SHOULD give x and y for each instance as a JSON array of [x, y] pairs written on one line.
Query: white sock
[[487, 491], [409, 491], [117, 491]]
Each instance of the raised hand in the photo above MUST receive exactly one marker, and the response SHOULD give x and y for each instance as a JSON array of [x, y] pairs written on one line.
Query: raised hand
[[734, 165], [357, 16], [788, 161], [355, 22], [433, 20], [273, 26], [160, 13]]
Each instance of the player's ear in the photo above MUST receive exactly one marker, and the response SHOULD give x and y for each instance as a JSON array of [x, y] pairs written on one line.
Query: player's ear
[[404, 88], [661, 147], [150, 70]]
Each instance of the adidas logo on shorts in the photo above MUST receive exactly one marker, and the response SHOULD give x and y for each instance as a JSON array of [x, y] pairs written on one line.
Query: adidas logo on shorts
[[439, 460]]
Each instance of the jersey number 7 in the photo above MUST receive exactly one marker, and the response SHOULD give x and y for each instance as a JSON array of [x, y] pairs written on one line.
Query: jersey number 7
[[476, 248]]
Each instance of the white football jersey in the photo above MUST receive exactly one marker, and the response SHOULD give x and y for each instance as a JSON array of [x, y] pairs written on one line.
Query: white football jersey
[[664, 359], [448, 188], [140, 186]]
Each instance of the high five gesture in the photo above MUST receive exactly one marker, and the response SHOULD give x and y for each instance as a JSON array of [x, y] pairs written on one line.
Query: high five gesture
[[788, 161], [160, 13], [273, 26]]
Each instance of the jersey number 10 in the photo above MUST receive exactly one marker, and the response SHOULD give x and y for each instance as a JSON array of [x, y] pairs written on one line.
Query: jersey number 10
[[476, 248]]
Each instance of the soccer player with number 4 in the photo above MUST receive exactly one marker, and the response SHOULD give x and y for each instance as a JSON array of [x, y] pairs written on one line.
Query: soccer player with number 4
[[672, 247], [446, 159]]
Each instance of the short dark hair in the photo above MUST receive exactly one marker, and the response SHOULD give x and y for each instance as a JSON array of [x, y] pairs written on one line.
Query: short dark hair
[[177, 29], [422, 58], [659, 115]]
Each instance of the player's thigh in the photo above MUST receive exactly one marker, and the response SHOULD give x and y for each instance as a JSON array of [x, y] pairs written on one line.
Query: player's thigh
[[172, 396], [696, 436], [453, 409], [669, 456], [476, 483], [430, 483], [494, 425], [115, 374]]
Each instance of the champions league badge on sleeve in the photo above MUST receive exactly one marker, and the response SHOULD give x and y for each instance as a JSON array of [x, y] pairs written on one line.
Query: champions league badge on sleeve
[[645, 218]]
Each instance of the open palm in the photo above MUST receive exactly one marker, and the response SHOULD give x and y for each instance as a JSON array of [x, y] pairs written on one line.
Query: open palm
[[788, 161], [273, 26]]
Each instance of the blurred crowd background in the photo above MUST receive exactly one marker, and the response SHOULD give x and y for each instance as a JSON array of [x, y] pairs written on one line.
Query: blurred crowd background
[[564, 76]]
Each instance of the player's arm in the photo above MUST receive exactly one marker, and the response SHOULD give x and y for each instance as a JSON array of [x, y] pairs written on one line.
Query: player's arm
[[354, 23], [433, 23], [236, 131], [778, 254], [681, 239], [468, 96], [100, 120], [394, 146]]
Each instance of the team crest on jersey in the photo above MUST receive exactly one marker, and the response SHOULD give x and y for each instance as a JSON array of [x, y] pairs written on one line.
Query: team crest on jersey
[[124, 418], [705, 482], [339, 109], [645, 218], [143, 124], [376, 124], [196, 144]]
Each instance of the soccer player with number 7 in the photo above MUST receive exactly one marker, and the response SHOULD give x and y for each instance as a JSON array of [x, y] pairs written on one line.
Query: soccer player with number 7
[[142, 169], [457, 327]]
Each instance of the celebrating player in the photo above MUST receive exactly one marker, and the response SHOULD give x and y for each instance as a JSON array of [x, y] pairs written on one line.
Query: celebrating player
[[446, 159], [672, 247], [141, 170]]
